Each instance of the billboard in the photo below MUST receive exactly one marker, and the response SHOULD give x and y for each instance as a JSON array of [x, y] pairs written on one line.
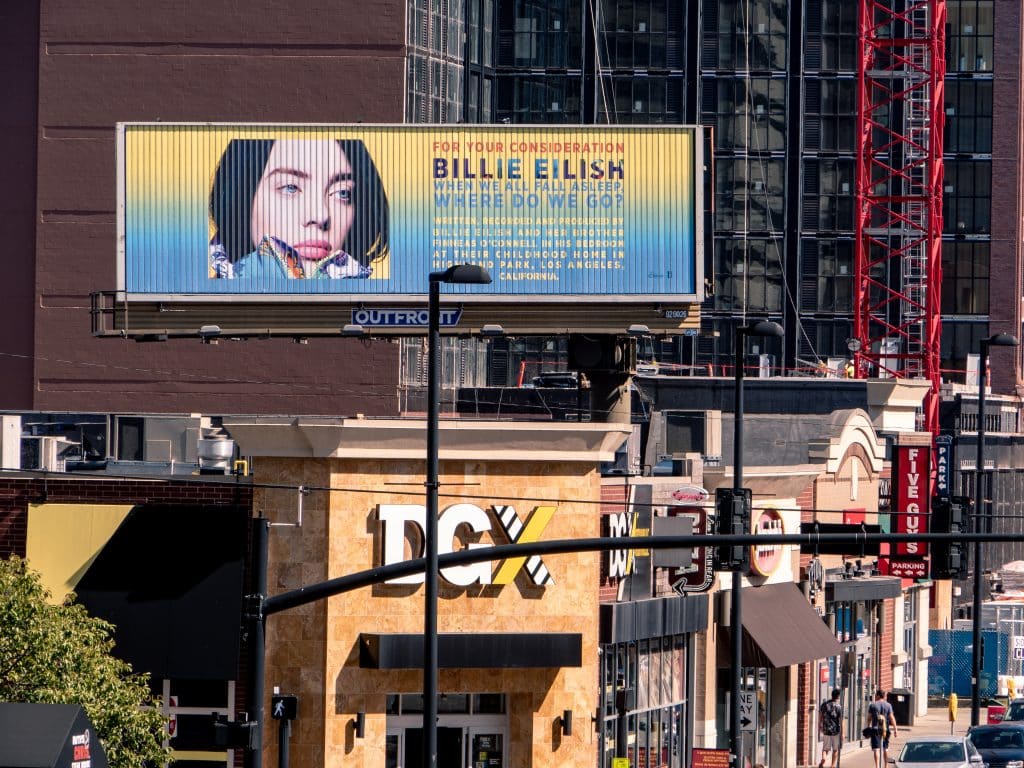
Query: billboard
[[229, 212]]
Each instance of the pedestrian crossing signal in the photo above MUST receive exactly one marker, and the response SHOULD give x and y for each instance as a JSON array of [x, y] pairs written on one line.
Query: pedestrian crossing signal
[[284, 707]]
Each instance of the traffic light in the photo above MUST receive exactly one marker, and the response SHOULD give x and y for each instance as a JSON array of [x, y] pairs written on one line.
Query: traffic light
[[949, 558], [233, 734], [732, 518], [602, 352]]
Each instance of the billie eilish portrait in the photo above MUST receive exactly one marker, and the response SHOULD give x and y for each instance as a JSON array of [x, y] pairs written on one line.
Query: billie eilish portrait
[[297, 209]]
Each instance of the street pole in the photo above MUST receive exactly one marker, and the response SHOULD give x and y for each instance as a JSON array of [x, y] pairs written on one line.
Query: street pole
[[736, 614], [761, 329], [462, 273], [998, 340], [256, 640], [430, 528], [284, 733]]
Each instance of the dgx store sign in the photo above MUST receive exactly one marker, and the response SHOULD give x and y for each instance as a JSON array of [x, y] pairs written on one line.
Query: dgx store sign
[[402, 523]]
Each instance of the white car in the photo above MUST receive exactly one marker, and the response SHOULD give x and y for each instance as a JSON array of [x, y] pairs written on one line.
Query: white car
[[938, 752]]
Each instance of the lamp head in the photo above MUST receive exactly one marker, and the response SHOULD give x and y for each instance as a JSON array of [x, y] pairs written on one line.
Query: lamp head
[[763, 328], [462, 274], [565, 722], [1001, 340]]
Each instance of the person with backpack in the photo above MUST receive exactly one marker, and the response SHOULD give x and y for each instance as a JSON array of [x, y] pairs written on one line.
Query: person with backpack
[[830, 728], [882, 724]]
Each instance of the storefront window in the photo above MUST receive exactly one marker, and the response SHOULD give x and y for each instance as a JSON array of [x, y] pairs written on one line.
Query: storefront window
[[855, 673], [489, 703], [654, 716], [452, 702], [755, 700], [909, 638], [642, 670], [676, 663]]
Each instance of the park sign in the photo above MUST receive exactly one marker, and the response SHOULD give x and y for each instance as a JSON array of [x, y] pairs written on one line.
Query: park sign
[[354, 216]]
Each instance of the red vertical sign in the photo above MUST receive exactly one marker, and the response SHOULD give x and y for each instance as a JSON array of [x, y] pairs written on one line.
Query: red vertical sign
[[911, 496]]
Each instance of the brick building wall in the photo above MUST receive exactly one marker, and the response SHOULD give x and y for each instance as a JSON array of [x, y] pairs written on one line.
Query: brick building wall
[[73, 71], [805, 693], [17, 492], [613, 502], [1004, 305], [886, 645], [806, 703]]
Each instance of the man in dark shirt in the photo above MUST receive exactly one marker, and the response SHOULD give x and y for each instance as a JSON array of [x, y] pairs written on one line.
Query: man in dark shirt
[[830, 728]]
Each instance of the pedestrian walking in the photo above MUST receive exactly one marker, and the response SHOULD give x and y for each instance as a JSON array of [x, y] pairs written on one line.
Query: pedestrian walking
[[830, 728], [882, 725]]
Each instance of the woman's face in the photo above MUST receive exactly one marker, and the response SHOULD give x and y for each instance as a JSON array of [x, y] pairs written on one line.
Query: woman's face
[[304, 197]]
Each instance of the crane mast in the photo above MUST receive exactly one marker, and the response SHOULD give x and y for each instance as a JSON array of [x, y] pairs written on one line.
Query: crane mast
[[898, 258]]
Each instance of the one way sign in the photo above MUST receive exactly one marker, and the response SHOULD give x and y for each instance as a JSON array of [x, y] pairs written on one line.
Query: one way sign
[[748, 710], [284, 707]]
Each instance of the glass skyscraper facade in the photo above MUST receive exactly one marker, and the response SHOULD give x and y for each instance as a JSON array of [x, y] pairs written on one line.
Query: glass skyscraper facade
[[776, 82]]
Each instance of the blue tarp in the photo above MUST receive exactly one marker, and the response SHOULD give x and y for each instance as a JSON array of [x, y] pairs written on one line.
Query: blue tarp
[[949, 668]]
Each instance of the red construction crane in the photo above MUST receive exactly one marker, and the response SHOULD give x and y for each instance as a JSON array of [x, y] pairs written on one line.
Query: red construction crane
[[898, 263]]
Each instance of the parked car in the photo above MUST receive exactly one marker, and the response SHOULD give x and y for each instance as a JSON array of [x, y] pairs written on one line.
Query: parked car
[[555, 379], [1015, 711], [938, 752], [995, 708], [1001, 746]]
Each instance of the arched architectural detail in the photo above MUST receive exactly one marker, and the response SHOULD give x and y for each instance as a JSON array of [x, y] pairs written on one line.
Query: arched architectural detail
[[852, 432]]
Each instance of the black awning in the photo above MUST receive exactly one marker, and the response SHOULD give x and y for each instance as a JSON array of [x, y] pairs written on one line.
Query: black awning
[[863, 588], [473, 650], [780, 628], [657, 617], [48, 736]]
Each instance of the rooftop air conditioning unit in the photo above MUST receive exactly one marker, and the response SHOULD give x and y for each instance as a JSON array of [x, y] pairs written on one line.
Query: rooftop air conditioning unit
[[214, 451]]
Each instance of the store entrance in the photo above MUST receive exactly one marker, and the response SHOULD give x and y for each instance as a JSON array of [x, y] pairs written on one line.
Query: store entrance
[[465, 747], [472, 731]]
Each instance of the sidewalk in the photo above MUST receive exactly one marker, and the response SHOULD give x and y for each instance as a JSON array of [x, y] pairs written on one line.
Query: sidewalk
[[935, 722]]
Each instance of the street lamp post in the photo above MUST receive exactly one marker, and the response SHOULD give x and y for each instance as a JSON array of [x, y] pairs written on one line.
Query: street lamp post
[[761, 329], [461, 274], [997, 340]]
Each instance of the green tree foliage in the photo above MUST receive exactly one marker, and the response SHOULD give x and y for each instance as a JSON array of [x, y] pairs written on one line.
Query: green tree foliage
[[58, 654]]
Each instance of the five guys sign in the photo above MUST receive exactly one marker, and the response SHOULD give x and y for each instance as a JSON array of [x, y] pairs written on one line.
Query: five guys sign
[[911, 499]]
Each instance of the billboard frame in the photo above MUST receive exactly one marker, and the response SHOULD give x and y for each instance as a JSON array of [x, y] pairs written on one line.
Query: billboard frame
[[133, 313]]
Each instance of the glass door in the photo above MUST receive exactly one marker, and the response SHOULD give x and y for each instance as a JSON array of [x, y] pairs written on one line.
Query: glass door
[[472, 731], [409, 745], [486, 747]]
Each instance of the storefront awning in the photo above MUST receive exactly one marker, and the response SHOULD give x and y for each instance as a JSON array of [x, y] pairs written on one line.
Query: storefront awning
[[660, 616], [780, 628], [471, 650]]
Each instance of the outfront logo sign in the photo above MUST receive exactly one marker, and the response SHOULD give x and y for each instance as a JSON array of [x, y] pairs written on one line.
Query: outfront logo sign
[[467, 522]]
